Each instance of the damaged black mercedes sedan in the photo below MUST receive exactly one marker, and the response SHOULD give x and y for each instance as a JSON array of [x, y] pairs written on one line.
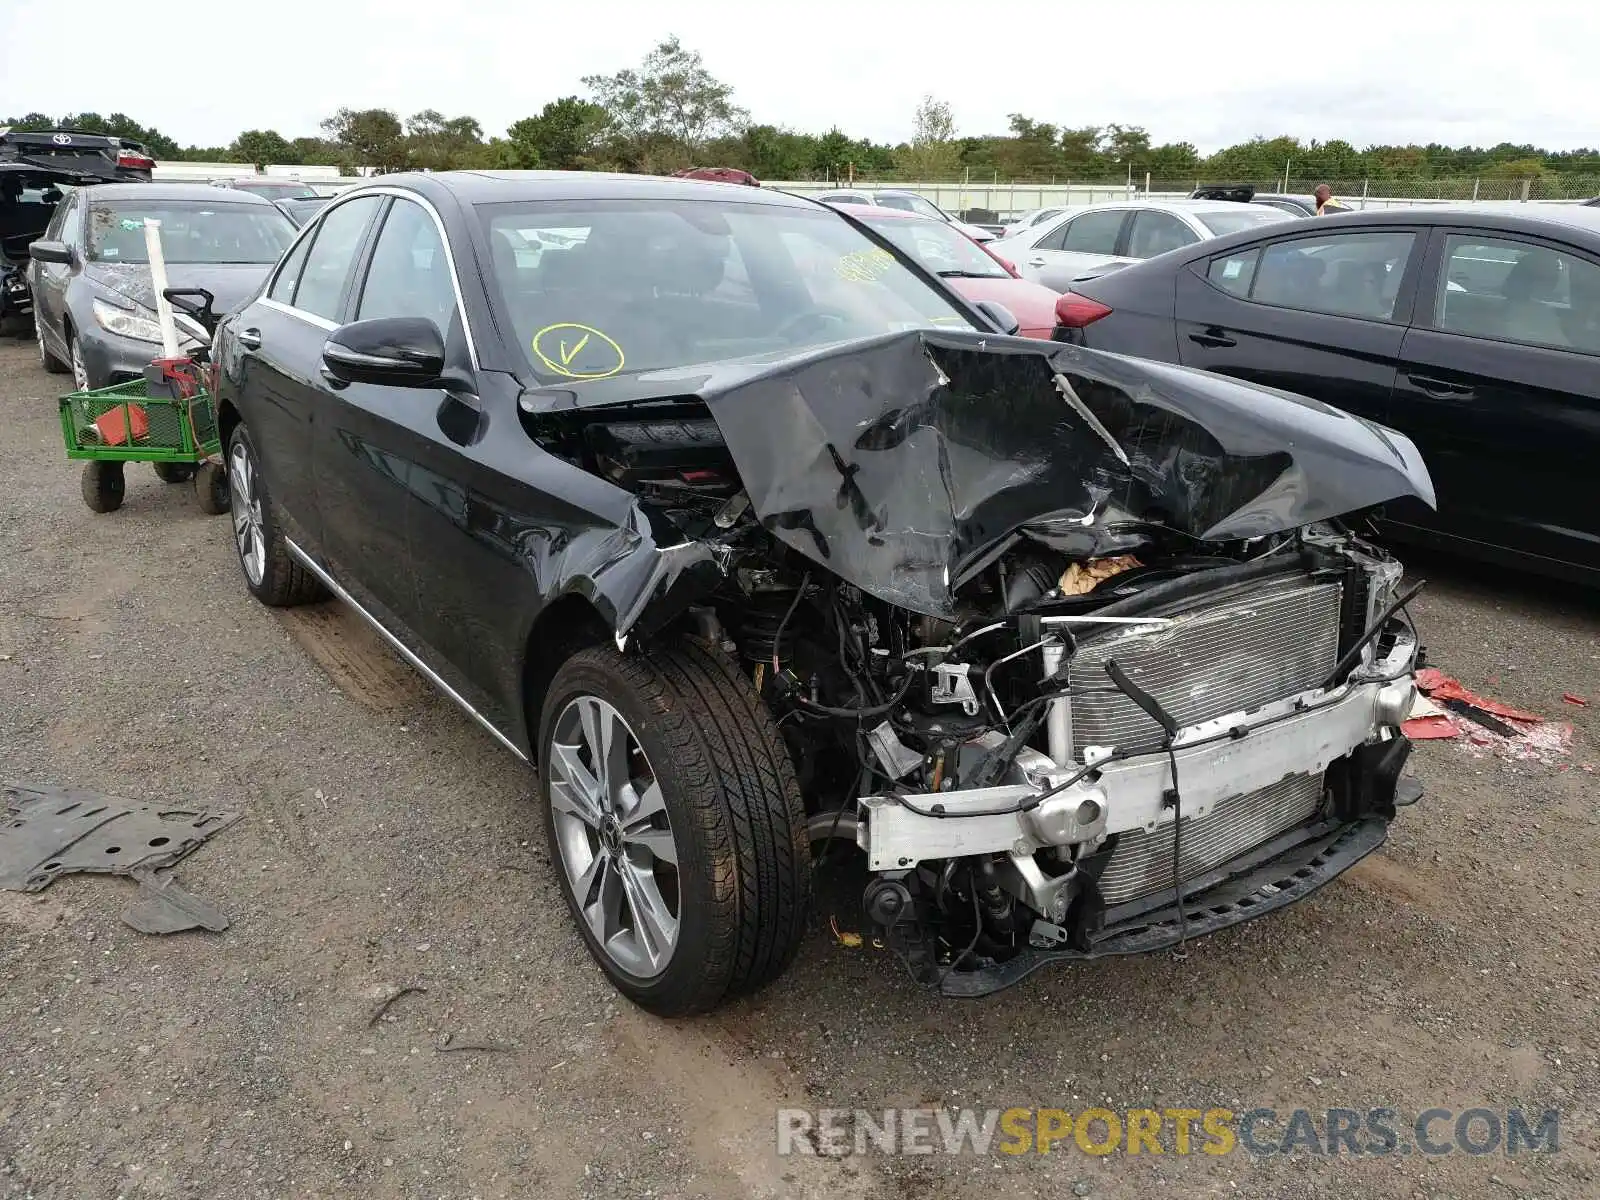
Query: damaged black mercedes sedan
[[753, 536]]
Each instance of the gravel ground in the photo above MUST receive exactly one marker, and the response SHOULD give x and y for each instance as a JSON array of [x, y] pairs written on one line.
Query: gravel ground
[[388, 842]]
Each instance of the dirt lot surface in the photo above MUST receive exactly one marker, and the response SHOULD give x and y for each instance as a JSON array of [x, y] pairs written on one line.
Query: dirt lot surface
[[387, 842]]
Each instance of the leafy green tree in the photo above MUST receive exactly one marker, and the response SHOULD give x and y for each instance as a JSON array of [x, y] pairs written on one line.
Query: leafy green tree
[[371, 137], [566, 136], [261, 147], [933, 153], [435, 142], [669, 101]]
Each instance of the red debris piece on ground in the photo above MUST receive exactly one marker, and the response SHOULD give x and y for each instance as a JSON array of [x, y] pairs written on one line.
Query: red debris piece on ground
[[1571, 699], [1422, 729], [1439, 686]]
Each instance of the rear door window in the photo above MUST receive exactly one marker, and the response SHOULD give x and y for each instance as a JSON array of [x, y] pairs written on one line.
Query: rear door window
[[1349, 274], [1234, 273], [1090, 233], [1516, 291], [1155, 232]]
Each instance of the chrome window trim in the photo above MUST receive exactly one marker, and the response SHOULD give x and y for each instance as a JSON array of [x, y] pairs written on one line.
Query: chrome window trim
[[309, 318], [356, 193], [402, 649]]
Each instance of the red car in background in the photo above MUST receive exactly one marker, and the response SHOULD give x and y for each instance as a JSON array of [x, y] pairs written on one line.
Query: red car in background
[[971, 269], [719, 175]]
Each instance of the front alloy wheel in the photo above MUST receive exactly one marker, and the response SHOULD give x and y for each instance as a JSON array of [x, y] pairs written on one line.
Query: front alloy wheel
[[245, 502], [80, 369], [614, 837], [676, 823]]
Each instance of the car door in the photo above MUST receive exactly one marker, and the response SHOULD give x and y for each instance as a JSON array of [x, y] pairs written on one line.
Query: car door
[[364, 442], [272, 358], [48, 281], [1322, 315], [1499, 386], [1077, 244]]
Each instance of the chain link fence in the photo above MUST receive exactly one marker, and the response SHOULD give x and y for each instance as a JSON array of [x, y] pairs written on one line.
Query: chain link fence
[[1456, 188]]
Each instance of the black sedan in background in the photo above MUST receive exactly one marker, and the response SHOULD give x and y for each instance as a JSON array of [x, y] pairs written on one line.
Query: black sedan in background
[[1474, 330]]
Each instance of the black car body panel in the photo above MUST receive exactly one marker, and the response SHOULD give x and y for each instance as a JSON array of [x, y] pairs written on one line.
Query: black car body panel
[[1509, 429]]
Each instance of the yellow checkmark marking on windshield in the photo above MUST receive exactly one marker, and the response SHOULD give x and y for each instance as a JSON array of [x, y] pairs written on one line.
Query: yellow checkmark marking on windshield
[[568, 355]]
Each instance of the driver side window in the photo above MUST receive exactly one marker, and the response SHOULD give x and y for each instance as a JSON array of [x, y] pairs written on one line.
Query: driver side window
[[332, 257]]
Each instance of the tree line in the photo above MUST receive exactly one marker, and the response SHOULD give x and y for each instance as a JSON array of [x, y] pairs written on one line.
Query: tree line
[[671, 112]]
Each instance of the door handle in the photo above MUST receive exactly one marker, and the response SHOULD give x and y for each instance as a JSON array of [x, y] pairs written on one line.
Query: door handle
[[1213, 338], [1440, 388], [250, 339], [1035, 262]]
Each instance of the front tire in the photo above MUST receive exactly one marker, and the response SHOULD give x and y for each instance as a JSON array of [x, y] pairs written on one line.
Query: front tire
[[48, 361], [80, 368], [272, 574], [675, 823]]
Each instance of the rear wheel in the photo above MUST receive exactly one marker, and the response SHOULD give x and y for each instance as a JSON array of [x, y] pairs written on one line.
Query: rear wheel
[[103, 486], [211, 491], [174, 472], [272, 574], [675, 820]]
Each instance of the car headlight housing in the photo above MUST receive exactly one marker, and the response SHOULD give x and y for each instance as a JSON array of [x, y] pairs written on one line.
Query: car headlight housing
[[137, 323]]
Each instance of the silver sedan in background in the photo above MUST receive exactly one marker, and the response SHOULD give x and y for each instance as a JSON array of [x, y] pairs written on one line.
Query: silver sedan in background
[[1095, 238]]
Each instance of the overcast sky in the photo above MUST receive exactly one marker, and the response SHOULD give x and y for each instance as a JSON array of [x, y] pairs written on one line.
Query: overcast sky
[[1209, 73]]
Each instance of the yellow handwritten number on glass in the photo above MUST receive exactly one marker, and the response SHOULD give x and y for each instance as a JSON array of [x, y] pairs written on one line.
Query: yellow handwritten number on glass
[[577, 351]]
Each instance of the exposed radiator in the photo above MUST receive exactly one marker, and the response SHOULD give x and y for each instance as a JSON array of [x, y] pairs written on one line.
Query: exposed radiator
[[1142, 861], [1214, 659]]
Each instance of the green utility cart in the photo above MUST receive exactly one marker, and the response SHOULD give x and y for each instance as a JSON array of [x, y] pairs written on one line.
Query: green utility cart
[[133, 422]]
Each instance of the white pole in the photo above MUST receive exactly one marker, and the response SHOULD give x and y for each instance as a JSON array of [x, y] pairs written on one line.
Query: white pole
[[158, 279]]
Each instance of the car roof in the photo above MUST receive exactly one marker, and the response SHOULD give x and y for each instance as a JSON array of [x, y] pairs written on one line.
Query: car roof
[[172, 191], [490, 187], [874, 212], [1508, 215], [1189, 206]]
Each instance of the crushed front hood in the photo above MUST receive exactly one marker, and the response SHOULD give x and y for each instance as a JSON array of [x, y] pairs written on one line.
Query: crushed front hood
[[899, 461]]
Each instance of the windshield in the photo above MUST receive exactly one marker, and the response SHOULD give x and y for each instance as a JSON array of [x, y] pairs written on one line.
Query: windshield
[[939, 247], [595, 288], [1236, 220], [191, 232]]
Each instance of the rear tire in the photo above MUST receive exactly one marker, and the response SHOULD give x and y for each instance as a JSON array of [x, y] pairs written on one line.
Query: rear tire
[[174, 472], [726, 786], [211, 489], [273, 575], [104, 485]]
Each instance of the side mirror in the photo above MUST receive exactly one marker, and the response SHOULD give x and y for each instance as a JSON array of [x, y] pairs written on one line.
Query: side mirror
[[999, 316], [388, 351], [52, 252]]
